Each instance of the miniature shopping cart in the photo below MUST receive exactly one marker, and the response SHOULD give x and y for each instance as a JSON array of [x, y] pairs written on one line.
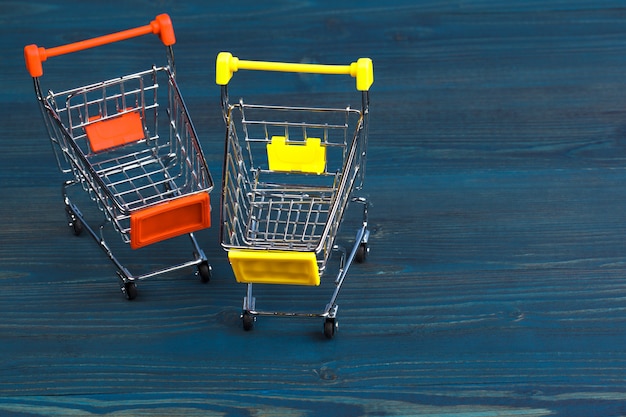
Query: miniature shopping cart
[[288, 176], [130, 144]]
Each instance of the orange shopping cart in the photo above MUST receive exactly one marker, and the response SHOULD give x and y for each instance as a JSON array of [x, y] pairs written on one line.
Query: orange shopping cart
[[289, 174], [129, 143]]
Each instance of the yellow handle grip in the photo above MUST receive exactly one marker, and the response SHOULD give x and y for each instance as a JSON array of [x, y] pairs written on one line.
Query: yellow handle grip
[[226, 64]]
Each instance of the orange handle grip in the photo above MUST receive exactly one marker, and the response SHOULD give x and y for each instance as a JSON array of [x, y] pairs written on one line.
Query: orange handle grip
[[35, 55]]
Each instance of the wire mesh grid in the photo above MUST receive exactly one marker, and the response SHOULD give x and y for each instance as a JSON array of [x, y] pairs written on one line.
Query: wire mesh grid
[[167, 162], [265, 209], [295, 219]]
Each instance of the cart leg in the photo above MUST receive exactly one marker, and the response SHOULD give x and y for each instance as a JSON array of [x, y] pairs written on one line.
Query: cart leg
[[71, 211], [128, 287], [204, 268], [331, 324], [331, 309], [247, 316], [363, 248]]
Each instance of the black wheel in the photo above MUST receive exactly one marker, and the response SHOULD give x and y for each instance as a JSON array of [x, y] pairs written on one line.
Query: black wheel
[[330, 327], [167, 189], [77, 226], [130, 289], [73, 222], [248, 321], [204, 270], [361, 253]]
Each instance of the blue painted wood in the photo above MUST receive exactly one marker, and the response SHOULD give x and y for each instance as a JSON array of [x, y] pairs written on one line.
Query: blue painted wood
[[495, 281]]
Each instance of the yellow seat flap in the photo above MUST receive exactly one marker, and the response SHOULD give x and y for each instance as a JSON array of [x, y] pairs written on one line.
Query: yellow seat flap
[[274, 267], [309, 157]]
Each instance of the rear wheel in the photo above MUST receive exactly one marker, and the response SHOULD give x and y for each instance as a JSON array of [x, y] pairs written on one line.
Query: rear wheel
[[130, 289], [248, 321], [73, 221]]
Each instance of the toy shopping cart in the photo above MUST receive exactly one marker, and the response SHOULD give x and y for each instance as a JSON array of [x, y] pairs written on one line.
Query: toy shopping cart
[[288, 176], [130, 144]]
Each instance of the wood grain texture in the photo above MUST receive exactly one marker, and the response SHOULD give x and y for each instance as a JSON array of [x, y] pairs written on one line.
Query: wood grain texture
[[495, 284]]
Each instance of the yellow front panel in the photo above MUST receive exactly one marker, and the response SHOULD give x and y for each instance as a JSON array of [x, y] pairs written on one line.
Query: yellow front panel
[[274, 267]]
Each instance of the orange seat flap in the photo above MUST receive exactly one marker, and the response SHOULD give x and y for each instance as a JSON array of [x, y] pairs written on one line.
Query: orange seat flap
[[116, 131]]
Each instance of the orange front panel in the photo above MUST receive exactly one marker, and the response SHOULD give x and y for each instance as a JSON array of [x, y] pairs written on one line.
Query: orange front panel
[[116, 131], [183, 215]]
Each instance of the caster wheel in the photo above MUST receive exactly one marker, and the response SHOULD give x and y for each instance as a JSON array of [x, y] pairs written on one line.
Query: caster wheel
[[77, 226], [73, 222], [167, 190], [361, 253], [330, 327], [204, 270], [130, 289], [248, 321]]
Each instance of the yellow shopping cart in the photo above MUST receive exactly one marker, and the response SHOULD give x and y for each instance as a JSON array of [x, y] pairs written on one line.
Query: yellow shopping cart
[[288, 176]]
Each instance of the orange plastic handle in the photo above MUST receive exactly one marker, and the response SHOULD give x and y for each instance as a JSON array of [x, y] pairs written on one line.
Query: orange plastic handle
[[35, 55]]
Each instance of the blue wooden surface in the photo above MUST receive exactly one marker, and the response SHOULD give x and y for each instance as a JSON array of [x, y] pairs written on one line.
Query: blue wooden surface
[[495, 284]]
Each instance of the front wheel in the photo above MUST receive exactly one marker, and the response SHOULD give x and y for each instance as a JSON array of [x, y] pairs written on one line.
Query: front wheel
[[361, 253], [330, 327], [204, 270]]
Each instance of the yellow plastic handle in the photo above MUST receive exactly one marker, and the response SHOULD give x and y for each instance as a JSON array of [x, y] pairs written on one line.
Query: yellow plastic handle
[[227, 64]]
